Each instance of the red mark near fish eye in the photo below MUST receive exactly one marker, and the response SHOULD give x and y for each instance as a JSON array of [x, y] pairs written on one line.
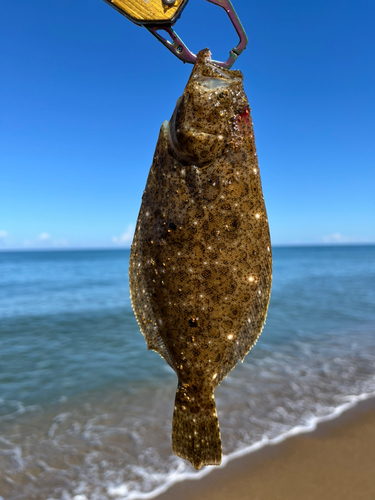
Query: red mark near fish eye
[[244, 117], [243, 122]]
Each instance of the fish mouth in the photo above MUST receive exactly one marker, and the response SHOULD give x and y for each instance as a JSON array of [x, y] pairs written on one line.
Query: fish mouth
[[216, 78], [210, 83]]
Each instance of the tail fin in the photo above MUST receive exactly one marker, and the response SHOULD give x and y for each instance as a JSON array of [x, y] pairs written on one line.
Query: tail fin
[[195, 428]]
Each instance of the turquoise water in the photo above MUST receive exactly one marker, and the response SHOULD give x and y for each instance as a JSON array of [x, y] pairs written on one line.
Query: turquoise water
[[85, 409]]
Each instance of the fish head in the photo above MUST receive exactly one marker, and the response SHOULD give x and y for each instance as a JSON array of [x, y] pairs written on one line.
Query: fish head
[[201, 126]]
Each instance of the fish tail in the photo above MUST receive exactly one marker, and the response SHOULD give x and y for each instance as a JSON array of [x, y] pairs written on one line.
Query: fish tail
[[195, 428]]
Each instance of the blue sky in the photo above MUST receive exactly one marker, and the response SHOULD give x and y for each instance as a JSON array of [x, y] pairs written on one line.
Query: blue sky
[[83, 93]]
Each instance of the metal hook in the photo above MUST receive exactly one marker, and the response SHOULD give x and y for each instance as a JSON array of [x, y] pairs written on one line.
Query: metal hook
[[180, 50]]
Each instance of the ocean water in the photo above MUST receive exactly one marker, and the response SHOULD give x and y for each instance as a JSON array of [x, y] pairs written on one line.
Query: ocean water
[[86, 410]]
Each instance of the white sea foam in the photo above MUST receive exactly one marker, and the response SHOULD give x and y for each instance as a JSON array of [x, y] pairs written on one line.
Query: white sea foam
[[19, 409], [13, 451], [122, 492]]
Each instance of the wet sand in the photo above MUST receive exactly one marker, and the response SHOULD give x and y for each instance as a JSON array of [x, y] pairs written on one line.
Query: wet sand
[[335, 462]]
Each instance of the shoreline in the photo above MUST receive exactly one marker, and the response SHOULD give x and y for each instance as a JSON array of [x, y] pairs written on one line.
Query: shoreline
[[337, 451], [121, 248]]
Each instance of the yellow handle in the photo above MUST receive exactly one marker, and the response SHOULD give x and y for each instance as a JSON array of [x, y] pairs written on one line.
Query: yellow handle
[[149, 11]]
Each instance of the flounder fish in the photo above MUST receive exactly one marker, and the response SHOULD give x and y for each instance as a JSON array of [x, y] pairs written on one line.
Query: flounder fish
[[201, 263]]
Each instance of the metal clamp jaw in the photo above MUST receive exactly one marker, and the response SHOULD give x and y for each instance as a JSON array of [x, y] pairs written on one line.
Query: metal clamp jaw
[[160, 15]]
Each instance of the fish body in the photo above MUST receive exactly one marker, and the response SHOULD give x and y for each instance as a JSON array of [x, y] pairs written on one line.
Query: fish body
[[201, 263]]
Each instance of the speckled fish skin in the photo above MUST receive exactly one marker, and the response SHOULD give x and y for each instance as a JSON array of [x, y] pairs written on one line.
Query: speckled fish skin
[[201, 263]]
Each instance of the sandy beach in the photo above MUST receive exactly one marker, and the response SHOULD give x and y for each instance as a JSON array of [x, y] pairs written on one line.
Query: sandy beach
[[335, 462]]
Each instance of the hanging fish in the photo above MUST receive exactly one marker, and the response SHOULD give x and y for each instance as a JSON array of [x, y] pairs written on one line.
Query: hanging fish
[[201, 263]]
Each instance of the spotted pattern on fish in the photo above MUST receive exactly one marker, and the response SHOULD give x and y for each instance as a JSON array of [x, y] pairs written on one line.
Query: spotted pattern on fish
[[201, 263]]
